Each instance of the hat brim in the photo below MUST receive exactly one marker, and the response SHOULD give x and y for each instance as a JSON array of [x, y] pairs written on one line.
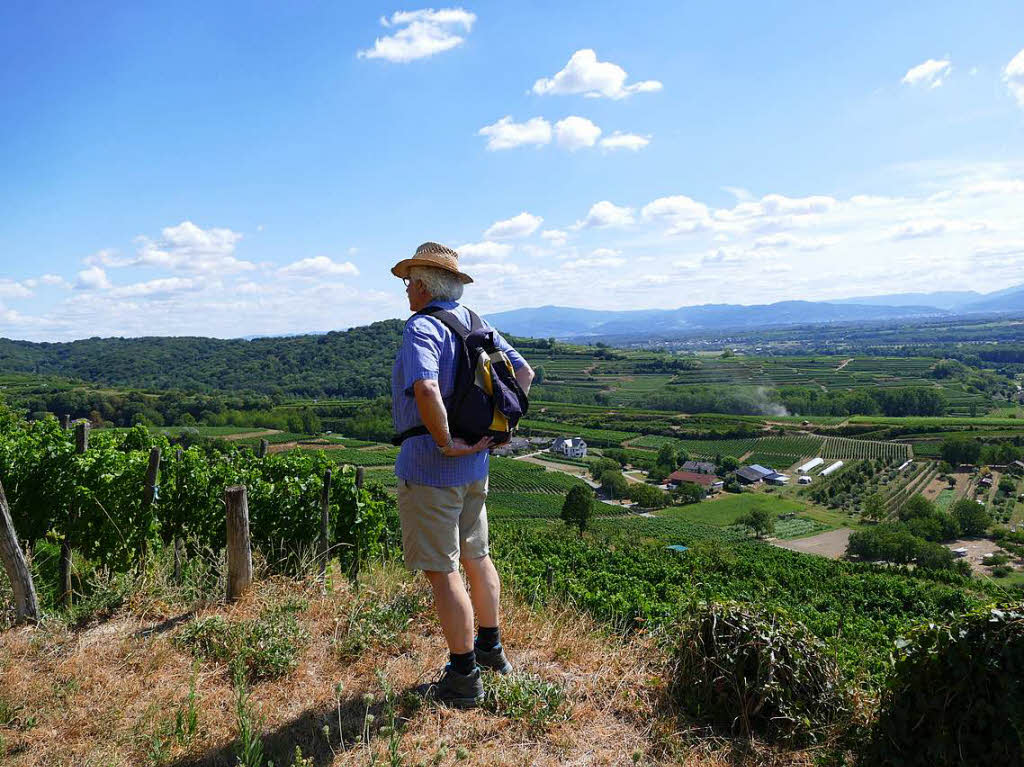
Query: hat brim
[[401, 269]]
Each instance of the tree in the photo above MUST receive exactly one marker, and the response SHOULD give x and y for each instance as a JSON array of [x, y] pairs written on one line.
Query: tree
[[578, 507], [729, 463], [538, 374], [647, 496], [874, 507], [601, 465], [1007, 485], [972, 516], [957, 449], [689, 492], [613, 483], [760, 521], [667, 457]]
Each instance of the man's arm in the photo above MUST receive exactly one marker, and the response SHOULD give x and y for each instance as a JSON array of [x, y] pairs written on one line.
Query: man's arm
[[435, 417], [525, 376]]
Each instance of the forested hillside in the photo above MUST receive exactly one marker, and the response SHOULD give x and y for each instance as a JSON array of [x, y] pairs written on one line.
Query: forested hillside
[[354, 363]]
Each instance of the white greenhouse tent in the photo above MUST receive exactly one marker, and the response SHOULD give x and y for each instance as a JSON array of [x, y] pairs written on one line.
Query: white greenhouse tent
[[834, 467], [810, 465]]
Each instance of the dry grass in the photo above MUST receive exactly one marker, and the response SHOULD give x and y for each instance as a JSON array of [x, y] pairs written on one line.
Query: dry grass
[[108, 694]]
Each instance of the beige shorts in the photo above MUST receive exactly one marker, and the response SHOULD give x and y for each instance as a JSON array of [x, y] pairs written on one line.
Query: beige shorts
[[440, 525]]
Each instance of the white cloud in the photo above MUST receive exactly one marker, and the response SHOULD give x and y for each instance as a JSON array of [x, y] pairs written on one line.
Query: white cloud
[[995, 249], [522, 225], [93, 278], [188, 248], [607, 258], [1013, 76], [605, 214], [488, 251], [576, 133], [54, 280], [555, 236], [932, 227], [423, 33], [160, 288], [630, 141], [585, 74], [318, 267], [12, 289], [931, 73], [681, 212], [506, 134], [783, 240]]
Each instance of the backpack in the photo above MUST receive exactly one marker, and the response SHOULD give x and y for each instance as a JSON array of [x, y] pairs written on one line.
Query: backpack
[[487, 400]]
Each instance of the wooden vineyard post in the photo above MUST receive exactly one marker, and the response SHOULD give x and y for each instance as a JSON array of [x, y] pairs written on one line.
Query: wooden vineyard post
[[261, 451], [149, 492], [81, 445], [26, 608], [239, 550], [65, 422], [325, 527], [360, 475], [176, 541]]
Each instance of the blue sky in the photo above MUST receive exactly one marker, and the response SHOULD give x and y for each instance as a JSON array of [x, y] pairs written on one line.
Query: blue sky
[[245, 168]]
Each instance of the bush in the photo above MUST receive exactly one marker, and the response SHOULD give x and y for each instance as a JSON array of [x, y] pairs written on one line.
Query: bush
[[956, 695], [757, 672]]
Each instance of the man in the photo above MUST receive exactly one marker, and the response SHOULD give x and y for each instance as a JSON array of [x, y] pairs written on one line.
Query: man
[[442, 480]]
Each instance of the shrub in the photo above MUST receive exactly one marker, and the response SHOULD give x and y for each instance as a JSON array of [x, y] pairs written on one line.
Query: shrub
[[758, 672], [528, 699], [956, 695]]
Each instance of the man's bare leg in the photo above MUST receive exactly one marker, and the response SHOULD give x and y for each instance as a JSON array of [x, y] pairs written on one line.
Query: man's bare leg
[[485, 589], [454, 610]]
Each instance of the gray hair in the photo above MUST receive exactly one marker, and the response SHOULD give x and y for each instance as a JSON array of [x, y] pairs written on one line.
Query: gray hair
[[440, 283]]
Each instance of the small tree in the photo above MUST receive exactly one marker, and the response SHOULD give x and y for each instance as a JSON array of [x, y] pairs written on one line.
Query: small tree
[[729, 463], [972, 516], [613, 483], [667, 457], [760, 521], [647, 496], [689, 492], [874, 507], [602, 465], [578, 507]]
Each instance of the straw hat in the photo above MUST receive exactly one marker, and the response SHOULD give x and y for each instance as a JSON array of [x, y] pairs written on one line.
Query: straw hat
[[435, 255]]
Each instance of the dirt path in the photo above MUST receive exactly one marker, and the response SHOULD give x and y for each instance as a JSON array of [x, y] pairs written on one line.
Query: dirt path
[[831, 544], [250, 434], [843, 364]]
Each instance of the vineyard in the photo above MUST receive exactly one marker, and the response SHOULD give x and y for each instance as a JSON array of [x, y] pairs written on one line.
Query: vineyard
[[509, 475], [843, 447], [520, 505]]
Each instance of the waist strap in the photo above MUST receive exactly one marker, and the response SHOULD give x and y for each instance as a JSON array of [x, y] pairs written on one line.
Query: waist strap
[[415, 431]]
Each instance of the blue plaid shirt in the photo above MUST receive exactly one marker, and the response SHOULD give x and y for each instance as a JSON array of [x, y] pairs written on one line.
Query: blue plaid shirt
[[430, 350]]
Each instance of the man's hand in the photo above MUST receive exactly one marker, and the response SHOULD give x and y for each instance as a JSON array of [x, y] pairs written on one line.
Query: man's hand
[[460, 447]]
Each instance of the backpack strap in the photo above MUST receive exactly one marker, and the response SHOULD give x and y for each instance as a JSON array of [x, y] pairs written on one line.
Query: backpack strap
[[452, 322]]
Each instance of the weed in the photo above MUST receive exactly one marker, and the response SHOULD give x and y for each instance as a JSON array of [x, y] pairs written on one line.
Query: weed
[[378, 624], [266, 647], [526, 698], [249, 748]]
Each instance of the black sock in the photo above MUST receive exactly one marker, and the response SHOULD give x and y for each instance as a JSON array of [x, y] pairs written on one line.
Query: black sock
[[463, 662], [488, 637]]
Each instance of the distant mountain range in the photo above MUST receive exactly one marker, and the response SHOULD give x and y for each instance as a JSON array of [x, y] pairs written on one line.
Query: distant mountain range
[[566, 322]]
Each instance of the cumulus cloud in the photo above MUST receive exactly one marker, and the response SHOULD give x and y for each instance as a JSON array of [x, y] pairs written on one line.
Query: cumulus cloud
[[1013, 76], [932, 227], [630, 141], [555, 236], [159, 288], [783, 240], [931, 73], [93, 278], [576, 133], [12, 289], [595, 79], [507, 134], [522, 225], [484, 251], [682, 213], [187, 247], [605, 214], [422, 33], [599, 258], [318, 267], [54, 280]]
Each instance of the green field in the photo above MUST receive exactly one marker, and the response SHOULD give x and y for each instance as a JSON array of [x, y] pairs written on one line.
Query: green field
[[726, 510]]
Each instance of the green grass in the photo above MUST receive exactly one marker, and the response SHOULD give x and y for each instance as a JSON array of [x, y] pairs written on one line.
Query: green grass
[[725, 511]]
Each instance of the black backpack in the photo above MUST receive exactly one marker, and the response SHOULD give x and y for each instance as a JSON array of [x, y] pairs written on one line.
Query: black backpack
[[487, 400]]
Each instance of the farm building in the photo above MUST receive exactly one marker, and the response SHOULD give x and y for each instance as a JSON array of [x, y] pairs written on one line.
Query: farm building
[[804, 480], [513, 446], [776, 478], [701, 467], [1017, 466], [570, 447], [834, 467], [986, 481], [751, 475], [709, 482], [961, 552], [904, 465], [804, 468]]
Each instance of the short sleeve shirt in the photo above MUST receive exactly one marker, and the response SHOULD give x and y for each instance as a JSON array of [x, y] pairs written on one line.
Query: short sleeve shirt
[[430, 351]]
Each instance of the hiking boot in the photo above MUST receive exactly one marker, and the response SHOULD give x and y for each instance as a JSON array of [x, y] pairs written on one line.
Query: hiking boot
[[494, 660], [455, 689]]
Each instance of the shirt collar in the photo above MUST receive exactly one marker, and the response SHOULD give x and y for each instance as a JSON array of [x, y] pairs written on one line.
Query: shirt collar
[[442, 303]]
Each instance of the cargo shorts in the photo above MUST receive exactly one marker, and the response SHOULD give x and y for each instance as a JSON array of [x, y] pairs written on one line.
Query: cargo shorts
[[441, 525]]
